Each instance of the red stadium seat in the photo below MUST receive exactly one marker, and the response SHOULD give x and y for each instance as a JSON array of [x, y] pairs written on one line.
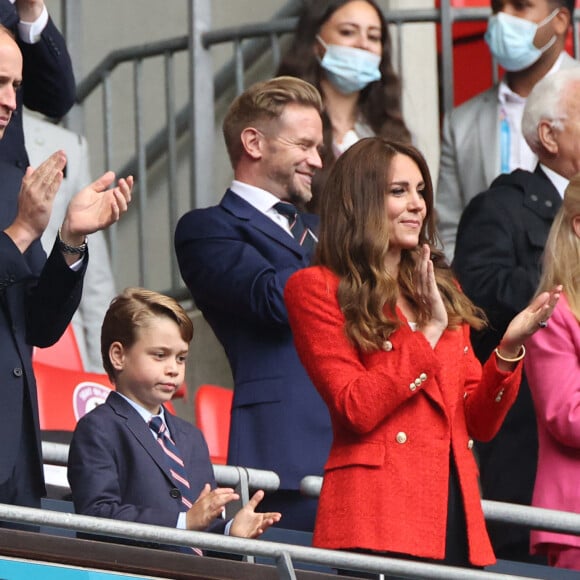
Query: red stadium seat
[[213, 406]]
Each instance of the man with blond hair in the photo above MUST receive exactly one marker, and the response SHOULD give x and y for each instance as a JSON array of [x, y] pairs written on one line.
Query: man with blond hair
[[236, 258]]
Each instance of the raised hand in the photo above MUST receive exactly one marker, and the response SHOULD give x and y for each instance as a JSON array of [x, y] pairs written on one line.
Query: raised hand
[[528, 321], [248, 523], [35, 201], [208, 506], [95, 208], [429, 294]]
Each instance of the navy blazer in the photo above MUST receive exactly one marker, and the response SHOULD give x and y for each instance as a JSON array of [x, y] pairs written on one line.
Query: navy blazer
[[236, 262], [116, 468], [38, 298], [500, 241], [37, 301]]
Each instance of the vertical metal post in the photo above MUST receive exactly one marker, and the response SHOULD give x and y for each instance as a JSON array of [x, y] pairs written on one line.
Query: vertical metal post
[[111, 232], [141, 168], [202, 116], [285, 567], [276, 53], [239, 59], [171, 161], [446, 13], [71, 28]]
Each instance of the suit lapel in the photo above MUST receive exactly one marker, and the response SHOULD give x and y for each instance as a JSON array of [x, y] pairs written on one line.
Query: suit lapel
[[240, 208], [140, 430]]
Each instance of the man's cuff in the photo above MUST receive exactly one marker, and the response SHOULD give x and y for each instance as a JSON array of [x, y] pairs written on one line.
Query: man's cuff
[[181, 521], [30, 32]]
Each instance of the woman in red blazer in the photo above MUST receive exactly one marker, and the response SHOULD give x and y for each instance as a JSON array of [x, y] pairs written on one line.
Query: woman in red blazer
[[383, 331]]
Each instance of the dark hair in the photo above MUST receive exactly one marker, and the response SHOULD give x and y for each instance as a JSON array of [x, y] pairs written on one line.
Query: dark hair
[[133, 309], [379, 102], [497, 5], [353, 243]]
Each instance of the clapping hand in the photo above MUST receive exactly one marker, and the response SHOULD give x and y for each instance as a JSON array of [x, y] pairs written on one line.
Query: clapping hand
[[248, 523], [428, 294], [96, 207], [208, 506], [528, 321]]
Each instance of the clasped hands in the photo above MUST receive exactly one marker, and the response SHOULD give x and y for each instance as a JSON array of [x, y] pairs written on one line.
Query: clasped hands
[[247, 522]]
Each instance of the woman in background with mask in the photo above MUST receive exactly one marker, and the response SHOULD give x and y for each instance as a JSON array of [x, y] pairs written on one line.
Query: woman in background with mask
[[343, 48]]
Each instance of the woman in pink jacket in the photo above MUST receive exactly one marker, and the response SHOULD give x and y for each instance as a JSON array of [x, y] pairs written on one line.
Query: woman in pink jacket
[[553, 371], [383, 330]]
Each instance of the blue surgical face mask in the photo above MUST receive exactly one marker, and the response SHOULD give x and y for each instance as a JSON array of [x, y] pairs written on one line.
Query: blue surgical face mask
[[349, 69], [511, 40]]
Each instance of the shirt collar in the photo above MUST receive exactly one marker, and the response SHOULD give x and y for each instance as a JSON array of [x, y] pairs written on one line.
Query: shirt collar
[[259, 198], [144, 413], [559, 182]]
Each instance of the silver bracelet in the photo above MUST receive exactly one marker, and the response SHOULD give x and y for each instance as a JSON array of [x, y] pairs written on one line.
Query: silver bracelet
[[64, 247]]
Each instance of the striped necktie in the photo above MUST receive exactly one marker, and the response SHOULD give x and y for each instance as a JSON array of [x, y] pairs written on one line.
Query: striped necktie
[[176, 467], [300, 231], [174, 461]]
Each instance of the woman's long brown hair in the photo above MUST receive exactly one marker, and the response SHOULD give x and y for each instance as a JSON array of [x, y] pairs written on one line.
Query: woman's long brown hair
[[354, 241]]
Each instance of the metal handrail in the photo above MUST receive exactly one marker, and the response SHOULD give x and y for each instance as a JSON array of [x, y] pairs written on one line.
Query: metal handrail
[[226, 475], [280, 24], [283, 554]]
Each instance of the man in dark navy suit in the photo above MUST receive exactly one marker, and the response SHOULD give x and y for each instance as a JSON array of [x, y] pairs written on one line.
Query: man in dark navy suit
[[236, 258], [38, 296]]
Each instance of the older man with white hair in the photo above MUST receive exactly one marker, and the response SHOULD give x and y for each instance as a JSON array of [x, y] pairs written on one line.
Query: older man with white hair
[[500, 240]]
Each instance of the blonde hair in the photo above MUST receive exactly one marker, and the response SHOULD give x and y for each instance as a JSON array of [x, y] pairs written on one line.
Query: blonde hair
[[263, 103], [561, 262], [354, 241]]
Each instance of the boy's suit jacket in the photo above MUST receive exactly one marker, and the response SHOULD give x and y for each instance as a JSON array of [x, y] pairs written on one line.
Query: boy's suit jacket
[[117, 470], [235, 262]]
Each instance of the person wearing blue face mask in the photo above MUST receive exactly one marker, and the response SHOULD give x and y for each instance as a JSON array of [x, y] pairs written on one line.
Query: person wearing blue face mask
[[343, 48], [482, 138]]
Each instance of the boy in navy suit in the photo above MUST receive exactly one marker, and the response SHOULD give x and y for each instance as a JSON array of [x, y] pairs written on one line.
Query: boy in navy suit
[[119, 466]]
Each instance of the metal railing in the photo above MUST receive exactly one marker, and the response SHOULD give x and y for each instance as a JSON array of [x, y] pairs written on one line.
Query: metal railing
[[283, 554], [250, 43], [245, 480]]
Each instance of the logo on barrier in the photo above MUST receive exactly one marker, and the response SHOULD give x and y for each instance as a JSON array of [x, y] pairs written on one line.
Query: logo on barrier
[[88, 395]]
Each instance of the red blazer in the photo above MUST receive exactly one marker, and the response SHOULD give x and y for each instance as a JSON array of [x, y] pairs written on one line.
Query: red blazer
[[397, 414]]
